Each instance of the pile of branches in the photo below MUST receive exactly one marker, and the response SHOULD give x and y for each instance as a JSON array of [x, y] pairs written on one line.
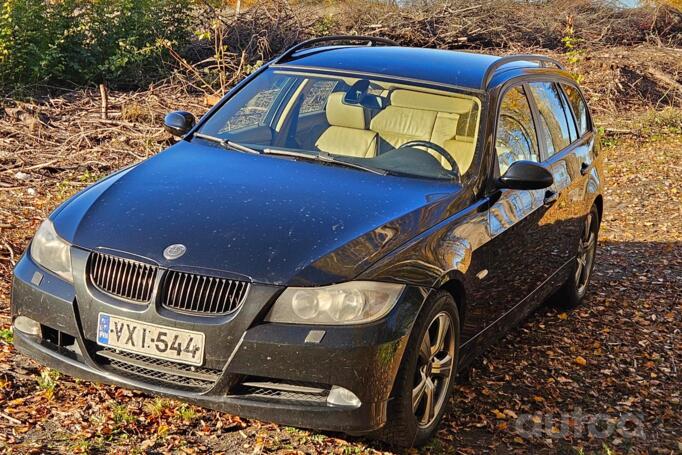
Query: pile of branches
[[236, 44], [65, 135], [513, 24], [593, 38]]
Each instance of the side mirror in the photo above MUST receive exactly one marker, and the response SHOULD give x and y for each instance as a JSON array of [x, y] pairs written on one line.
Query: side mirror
[[179, 123], [526, 175]]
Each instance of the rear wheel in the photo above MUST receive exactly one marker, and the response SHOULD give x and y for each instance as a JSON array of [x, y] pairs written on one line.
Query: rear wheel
[[575, 288], [424, 382]]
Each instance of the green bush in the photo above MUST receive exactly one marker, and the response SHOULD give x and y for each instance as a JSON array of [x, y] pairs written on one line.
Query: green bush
[[74, 42]]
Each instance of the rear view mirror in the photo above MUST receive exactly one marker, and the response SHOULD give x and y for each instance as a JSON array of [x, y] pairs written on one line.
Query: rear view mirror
[[356, 92], [179, 123], [526, 175]]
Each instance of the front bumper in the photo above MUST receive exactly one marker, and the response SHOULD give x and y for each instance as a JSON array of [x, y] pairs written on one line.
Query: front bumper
[[241, 350]]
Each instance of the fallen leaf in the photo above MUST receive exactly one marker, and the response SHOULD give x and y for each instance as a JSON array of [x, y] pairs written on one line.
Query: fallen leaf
[[499, 414]]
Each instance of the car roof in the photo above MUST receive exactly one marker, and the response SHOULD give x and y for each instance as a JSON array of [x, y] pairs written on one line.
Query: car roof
[[462, 69]]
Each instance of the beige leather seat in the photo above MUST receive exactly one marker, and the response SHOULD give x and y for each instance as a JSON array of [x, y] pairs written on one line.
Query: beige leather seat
[[347, 134], [414, 115]]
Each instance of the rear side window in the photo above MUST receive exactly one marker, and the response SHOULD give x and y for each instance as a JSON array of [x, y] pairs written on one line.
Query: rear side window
[[579, 108], [246, 110], [515, 139], [554, 117], [317, 93], [569, 116]]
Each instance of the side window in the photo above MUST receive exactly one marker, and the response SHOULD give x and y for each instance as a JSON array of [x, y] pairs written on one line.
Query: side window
[[569, 116], [516, 139], [305, 113], [553, 118], [316, 95], [254, 111], [579, 108]]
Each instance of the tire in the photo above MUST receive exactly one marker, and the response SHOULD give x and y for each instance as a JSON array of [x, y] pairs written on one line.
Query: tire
[[572, 292], [403, 429]]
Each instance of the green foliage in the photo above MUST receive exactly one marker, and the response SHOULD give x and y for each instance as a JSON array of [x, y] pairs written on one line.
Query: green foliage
[[186, 413], [88, 177], [607, 141], [157, 407], [324, 25], [121, 415], [75, 42], [572, 44], [667, 120], [6, 335], [47, 382]]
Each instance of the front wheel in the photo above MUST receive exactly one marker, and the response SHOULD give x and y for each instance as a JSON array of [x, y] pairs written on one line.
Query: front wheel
[[424, 382]]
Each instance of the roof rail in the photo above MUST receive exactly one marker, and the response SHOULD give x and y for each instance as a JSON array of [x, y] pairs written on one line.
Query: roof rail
[[492, 69], [371, 41]]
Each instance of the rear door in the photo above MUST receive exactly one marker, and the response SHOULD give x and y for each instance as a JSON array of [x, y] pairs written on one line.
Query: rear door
[[566, 154]]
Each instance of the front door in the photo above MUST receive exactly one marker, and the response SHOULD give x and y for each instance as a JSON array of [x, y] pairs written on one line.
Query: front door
[[516, 249], [514, 254]]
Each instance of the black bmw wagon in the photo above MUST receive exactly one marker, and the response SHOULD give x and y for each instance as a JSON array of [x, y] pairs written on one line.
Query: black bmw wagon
[[325, 248]]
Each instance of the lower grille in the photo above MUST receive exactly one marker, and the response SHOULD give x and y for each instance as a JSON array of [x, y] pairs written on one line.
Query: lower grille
[[147, 369], [290, 391]]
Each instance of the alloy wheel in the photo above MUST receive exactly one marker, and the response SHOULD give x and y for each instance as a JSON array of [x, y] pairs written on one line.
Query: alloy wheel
[[586, 252], [435, 365]]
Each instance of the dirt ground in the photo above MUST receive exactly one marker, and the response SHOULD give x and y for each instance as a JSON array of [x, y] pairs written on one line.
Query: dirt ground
[[614, 361]]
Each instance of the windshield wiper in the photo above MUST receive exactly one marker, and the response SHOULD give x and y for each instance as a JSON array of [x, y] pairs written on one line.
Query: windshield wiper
[[226, 143], [325, 157]]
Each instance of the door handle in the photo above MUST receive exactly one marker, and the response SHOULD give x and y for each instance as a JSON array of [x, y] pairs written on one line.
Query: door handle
[[550, 197], [584, 168]]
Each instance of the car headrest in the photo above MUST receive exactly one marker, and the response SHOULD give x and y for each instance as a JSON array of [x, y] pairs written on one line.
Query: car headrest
[[346, 115], [430, 102]]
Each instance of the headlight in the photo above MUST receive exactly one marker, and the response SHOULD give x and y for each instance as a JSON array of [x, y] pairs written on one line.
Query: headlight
[[354, 302], [51, 251]]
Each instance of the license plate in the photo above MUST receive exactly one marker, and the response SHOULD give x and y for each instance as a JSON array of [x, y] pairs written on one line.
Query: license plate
[[153, 340]]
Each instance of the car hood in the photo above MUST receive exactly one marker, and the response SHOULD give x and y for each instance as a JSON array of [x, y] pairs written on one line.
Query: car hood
[[269, 219]]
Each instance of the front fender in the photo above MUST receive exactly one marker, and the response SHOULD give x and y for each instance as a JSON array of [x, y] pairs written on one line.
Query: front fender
[[450, 250]]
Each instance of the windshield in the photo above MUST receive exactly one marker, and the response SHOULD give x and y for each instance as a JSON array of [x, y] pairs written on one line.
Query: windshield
[[398, 127]]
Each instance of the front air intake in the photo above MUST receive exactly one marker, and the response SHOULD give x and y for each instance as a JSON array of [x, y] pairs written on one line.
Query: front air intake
[[155, 371]]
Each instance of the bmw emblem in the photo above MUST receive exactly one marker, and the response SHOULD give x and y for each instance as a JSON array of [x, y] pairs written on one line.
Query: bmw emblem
[[174, 251]]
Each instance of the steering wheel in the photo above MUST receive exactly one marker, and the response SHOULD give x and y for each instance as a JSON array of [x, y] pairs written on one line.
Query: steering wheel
[[436, 148]]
